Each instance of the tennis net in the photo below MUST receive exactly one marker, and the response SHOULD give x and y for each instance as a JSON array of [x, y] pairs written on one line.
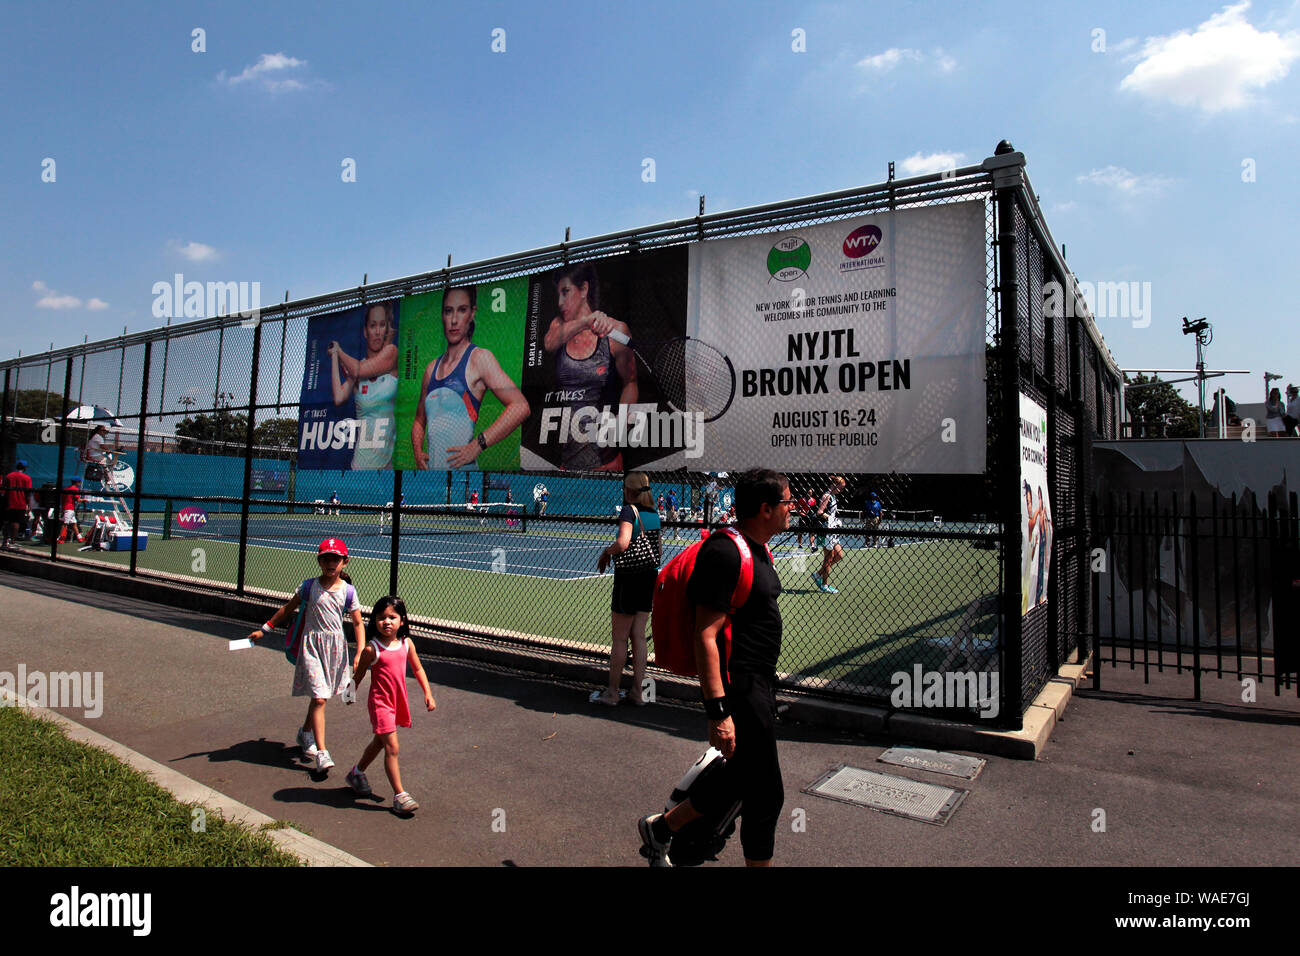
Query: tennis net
[[491, 518], [198, 522]]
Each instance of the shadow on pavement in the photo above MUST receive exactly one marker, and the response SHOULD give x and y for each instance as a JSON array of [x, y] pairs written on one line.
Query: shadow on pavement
[[266, 753], [341, 798], [1193, 708]]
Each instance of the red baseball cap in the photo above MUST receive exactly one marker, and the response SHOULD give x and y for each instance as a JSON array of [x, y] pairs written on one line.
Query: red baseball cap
[[333, 546]]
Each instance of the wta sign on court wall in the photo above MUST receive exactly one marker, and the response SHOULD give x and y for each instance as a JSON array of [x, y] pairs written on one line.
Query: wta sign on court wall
[[857, 345]]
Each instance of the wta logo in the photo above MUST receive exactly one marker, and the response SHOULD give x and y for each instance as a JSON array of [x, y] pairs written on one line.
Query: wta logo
[[862, 241], [191, 517]]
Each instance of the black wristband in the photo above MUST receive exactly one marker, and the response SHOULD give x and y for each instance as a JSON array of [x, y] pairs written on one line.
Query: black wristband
[[482, 441], [716, 709]]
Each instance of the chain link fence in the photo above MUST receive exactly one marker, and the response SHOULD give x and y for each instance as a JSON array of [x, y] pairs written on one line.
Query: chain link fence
[[204, 422]]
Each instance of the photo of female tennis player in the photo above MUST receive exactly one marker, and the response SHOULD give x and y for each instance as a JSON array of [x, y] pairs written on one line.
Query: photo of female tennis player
[[371, 383], [591, 369], [349, 383], [444, 434], [585, 385]]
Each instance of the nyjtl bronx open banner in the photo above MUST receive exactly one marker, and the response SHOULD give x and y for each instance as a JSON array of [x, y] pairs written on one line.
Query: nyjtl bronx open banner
[[855, 345]]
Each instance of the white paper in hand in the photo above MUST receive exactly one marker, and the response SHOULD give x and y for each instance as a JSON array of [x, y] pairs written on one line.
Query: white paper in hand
[[241, 644]]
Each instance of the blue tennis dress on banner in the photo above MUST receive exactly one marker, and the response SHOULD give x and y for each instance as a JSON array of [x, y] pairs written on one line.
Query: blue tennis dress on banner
[[450, 414], [376, 400]]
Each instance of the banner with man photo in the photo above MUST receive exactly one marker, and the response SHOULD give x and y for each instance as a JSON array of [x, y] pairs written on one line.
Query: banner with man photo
[[459, 405], [349, 383], [855, 345]]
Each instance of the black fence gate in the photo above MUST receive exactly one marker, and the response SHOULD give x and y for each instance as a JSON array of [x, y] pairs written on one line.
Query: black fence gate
[[1197, 588]]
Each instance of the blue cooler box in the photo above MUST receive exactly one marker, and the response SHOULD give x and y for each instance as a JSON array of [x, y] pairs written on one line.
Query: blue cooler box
[[121, 541]]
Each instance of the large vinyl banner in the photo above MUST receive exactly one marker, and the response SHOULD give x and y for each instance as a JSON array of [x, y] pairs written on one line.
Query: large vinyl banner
[[348, 387], [459, 405], [858, 345], [851, 346]]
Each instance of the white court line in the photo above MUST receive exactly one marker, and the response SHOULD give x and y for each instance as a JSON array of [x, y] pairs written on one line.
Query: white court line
[[306, 549]]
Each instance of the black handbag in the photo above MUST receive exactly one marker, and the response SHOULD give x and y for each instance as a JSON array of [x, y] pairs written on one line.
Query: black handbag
[[641, 554]]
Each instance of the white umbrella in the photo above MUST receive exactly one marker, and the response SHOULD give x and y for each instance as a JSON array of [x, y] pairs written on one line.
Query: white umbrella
[[97, 414]]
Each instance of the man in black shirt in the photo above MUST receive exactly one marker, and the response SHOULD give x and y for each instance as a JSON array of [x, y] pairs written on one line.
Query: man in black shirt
[[738, 689]]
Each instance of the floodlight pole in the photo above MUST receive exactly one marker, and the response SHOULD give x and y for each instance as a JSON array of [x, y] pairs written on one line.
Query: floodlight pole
[[1200, 383], [1204, 333]]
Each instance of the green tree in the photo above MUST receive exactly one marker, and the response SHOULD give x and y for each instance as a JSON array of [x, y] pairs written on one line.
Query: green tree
[[277, 432], [37, 403], [222, 432], [1159, 407]]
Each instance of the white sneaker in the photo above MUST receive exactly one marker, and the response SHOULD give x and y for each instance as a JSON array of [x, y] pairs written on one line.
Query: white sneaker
[[323, 760], [405, 803], [307, 741]]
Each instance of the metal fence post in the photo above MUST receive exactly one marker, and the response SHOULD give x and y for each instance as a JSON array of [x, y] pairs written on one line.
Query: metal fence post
[[1194, 546], [139, 455], [63, 443], [394, 557], [248, 459], [4, 422], [1009, 453]]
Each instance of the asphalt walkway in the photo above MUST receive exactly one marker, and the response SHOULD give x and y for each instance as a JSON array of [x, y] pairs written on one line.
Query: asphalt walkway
[[519, 770]]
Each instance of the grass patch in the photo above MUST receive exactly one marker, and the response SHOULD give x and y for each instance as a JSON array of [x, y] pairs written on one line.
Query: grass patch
[[64, 803]]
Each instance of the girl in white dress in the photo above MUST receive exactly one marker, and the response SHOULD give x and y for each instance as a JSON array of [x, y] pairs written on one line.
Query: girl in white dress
[[322, 669]]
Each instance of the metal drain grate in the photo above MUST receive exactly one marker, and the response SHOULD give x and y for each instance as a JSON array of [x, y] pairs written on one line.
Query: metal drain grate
[[887, 793], [936, 761]]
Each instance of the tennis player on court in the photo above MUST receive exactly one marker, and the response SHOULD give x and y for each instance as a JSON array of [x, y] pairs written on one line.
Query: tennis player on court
[[592, 369], [453, 389], [832, 553], [372, 383]]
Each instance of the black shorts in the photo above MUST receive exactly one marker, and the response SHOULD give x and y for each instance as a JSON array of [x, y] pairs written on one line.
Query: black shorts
[[16, 516], [634, 591]]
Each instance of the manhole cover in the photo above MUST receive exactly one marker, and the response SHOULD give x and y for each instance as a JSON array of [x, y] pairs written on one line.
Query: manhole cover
[[954, 765], [887, 793]]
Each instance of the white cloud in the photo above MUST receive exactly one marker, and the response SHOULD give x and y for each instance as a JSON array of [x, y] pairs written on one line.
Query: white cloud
[[53, 300], [268, 73], [884, 62], [96, 305], [919, 165], [194, 251], [1124, 181], [1217, 66], [895, 56]]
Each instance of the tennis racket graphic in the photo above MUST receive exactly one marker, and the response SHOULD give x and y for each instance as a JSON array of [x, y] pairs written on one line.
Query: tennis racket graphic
[[693, 376]]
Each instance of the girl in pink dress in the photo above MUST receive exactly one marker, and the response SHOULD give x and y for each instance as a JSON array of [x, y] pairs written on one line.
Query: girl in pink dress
[[388, 651]]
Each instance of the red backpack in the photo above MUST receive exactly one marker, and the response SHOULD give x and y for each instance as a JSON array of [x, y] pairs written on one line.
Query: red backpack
[[672, 620]]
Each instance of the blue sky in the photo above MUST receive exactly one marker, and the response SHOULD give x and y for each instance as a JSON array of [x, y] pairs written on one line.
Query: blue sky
[[1163, 149]]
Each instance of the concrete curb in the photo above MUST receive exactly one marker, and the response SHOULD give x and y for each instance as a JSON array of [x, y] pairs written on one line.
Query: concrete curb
[[311, 851]]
